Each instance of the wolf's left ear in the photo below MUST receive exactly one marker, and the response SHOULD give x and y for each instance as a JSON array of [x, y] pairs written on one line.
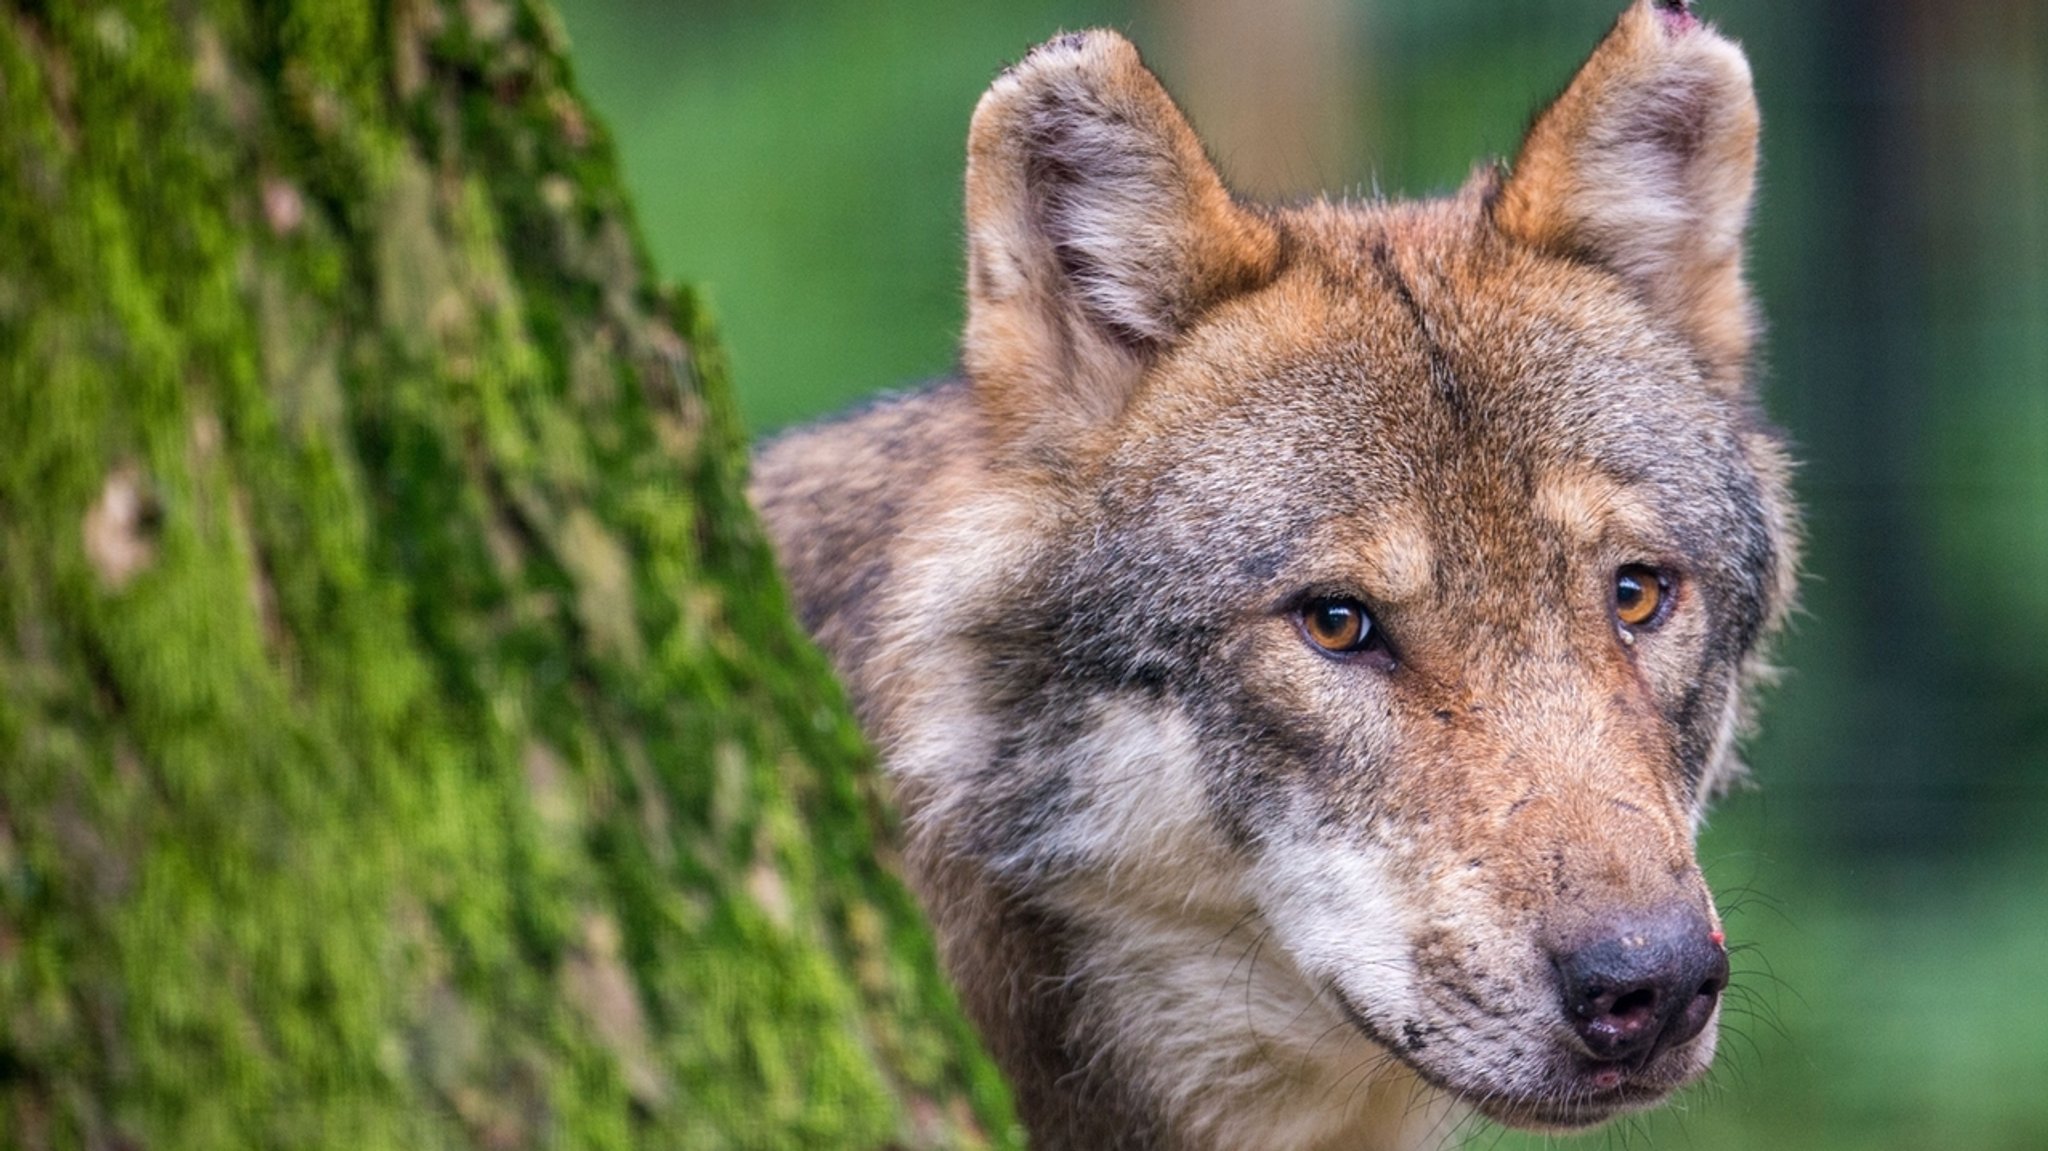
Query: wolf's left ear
[[1097, 233], [1646, 165]]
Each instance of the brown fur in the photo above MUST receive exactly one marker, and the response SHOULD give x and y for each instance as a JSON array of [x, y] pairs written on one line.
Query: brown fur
[[1200, 884]]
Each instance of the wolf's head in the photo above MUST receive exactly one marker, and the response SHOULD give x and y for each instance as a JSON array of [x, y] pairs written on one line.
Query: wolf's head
[[1379, 582]]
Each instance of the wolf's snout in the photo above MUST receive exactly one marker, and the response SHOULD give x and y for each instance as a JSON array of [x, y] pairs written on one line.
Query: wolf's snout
[[1645, 988]]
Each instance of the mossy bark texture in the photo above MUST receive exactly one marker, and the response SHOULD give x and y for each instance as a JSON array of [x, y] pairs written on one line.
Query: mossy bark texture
[[403, 742]]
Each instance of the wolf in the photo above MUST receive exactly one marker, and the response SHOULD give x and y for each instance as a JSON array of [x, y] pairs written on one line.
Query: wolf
[[1304, 641]]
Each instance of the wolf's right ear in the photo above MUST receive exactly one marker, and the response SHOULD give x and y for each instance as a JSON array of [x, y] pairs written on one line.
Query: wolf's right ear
[[1097, 232]]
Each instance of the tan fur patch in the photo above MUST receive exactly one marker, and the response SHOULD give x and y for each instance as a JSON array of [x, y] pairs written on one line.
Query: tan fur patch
[[1401, 558], [1588, 505], [1392, 556]]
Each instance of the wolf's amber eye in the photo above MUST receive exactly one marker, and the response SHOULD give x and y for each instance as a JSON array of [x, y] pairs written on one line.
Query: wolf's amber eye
[[1338, 625], [1640, 593]]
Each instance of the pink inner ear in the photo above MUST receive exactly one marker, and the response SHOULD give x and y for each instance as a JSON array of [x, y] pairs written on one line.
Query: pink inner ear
[[1678, 15]]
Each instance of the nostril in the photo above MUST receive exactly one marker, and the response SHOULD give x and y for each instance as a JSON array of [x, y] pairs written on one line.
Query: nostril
[[1640, 1003], [1716, 980], [1617, 1022], [1693, 1019]]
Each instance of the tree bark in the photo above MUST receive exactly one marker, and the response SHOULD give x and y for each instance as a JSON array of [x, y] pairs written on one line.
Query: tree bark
[[403, 739]]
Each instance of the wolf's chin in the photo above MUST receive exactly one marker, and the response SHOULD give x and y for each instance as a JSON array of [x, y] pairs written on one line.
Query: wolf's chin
[[1551, 1117], [1571, 1102], [1571, 1111]]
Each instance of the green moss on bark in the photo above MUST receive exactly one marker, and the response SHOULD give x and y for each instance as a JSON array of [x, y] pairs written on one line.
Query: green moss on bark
[[403, 740]]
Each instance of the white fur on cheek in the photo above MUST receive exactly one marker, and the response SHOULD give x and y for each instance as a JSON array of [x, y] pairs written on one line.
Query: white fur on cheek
[[1345, 920], [1187, 985], [1140, 822]]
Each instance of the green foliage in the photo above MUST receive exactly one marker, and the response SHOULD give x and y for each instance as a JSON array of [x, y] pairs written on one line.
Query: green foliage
[[403, 741], [821, 147]]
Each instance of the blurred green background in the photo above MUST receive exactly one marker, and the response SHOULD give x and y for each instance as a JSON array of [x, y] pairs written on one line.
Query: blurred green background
[[1889, 878]]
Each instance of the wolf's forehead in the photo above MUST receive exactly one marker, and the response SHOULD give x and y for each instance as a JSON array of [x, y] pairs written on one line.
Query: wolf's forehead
[[1377, 386], [1427, 409]]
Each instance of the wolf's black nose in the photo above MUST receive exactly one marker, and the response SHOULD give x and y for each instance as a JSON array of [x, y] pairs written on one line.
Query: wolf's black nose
[[1647, 987]]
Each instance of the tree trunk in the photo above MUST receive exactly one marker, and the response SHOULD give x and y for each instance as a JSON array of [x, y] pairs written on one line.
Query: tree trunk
[[403, 740]]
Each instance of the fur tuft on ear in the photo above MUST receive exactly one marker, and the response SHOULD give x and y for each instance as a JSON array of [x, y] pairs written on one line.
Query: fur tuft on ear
[[1646, 165], [1097, 232]]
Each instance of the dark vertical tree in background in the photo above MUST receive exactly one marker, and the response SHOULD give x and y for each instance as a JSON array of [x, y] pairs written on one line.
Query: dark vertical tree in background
[[402, 741], [1272, 83], [1905, 256], [1978, 139]]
